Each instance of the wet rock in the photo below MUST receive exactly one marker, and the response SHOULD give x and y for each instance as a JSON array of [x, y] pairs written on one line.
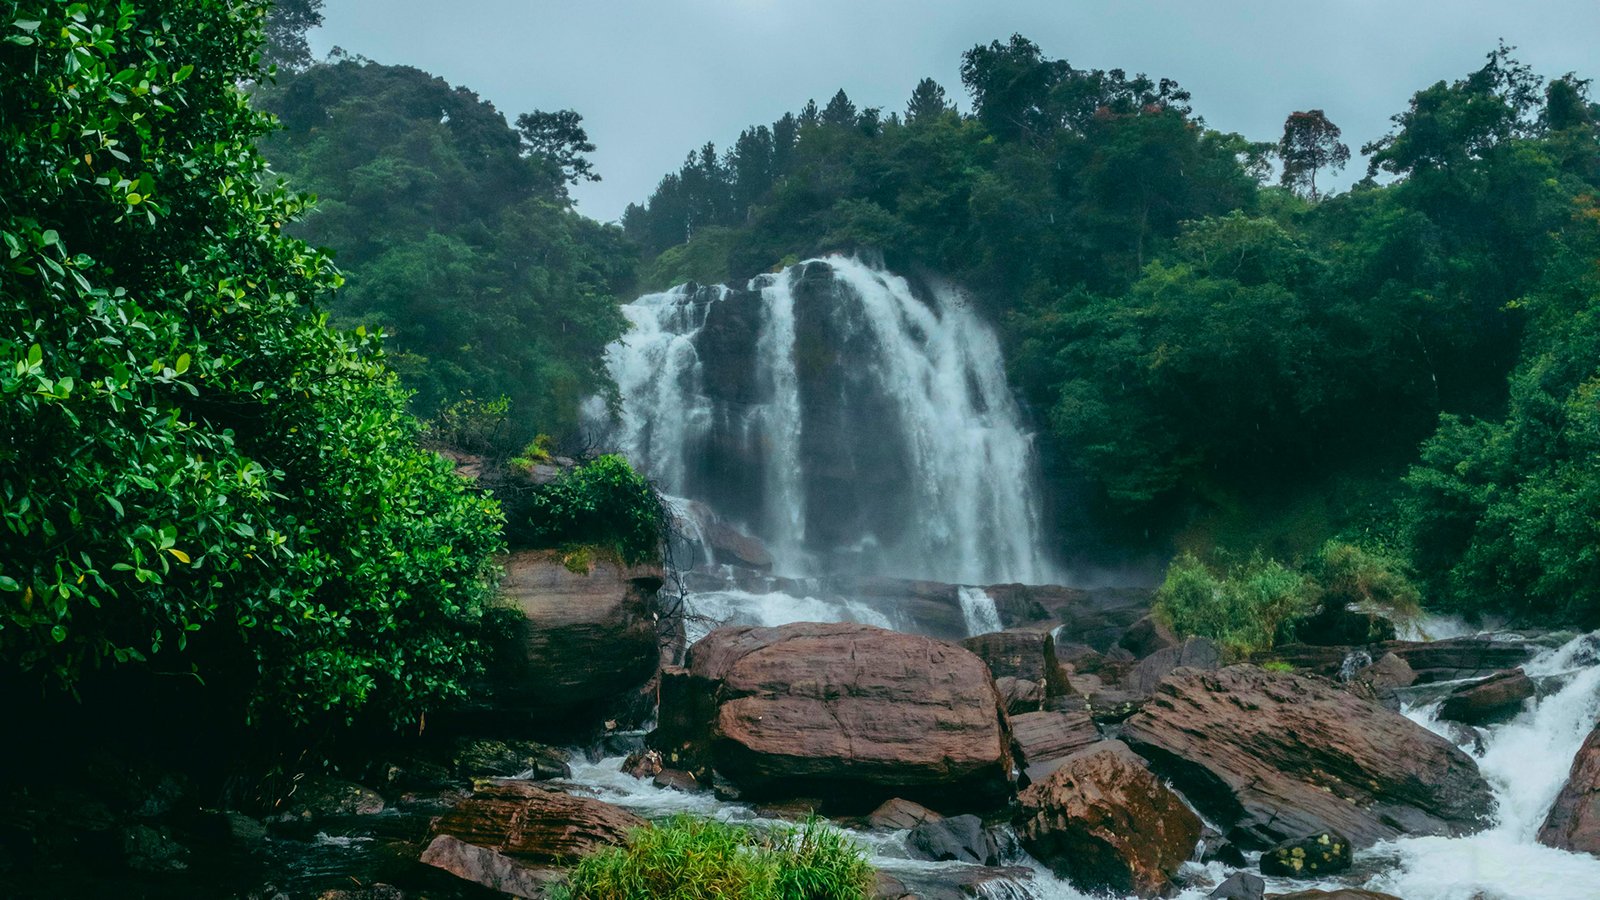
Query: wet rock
[[957, 883], [1455, 659], [1574, 821], [527, 822], [1336, 894], [1240, 886], [510, 759], [899, 814], [1147, 636], [797, 810], [152, 850], [643, 763], [734, 547], [677, 780], [1018, 695], [848, 713], [1214, 847], [1097, 617], [1275, 756], [1494, 699], [1011, 654], [1388, 673], [318, 797], [955, 839], [1077, 658], [1312, 857], [578, 647], [489, 867], [1103, 821], [1193, 653], [1046, 738]]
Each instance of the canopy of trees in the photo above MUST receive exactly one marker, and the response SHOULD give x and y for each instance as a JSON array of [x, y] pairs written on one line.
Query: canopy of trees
[[456, 236], [1197, 342]]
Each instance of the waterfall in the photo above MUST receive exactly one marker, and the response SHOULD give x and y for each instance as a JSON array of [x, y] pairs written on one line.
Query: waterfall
[[852, 421], [978, 608]]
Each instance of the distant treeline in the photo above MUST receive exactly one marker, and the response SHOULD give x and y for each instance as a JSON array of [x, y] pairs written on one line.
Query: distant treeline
[[1213, 356]]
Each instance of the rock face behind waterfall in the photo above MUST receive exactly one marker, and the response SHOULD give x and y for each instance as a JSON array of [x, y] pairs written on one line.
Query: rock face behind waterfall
[[1106, 823], [1574, 821], [775, 402], [1275, 757], [849, 714]]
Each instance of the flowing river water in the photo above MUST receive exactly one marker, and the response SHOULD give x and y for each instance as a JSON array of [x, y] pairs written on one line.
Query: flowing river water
[[856, 423]]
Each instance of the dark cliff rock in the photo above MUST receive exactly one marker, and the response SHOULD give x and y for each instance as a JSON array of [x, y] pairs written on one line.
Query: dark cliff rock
[[1574, 820]]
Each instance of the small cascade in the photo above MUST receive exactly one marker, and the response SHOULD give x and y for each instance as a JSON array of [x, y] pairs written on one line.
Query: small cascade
[[978, 608]]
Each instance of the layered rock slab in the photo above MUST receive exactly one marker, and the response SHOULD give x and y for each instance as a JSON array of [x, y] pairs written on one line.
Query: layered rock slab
[[1275, 757], [849, 713], [1574, 820]]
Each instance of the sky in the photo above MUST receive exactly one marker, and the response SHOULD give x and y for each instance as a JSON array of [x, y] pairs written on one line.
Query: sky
[[655, 79]]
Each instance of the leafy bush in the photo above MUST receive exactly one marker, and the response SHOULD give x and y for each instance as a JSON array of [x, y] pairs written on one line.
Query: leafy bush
[[603, 503], [696, 859], [1345, 573], [1244, 610], [198, 475]]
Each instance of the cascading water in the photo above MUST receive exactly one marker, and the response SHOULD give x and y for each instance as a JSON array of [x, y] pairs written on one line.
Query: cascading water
[[979, 611], [851, 421]]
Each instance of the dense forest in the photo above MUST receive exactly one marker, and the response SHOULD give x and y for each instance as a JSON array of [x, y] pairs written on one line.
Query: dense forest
[[1236, 362]]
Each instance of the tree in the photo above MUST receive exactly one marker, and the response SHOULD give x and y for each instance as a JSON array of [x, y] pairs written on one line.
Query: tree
[[1010, 86], [927, 102], [287, 23], [1310, 143], [559, 138], [839, 111], [201, 477]]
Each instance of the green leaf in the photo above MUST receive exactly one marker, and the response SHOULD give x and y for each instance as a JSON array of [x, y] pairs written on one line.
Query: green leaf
[[59, 633], [182, 365], [7, 583], [182, 74], [29, 25]]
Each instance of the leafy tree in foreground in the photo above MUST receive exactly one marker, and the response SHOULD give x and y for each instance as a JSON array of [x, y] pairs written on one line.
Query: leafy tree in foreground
[[198, 475]]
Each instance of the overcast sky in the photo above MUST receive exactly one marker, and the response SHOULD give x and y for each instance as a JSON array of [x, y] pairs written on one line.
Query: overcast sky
[[654, 79]]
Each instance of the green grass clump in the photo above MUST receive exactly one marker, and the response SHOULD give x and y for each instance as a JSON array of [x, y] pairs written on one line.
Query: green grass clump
[[1243, 609], [686, 858]]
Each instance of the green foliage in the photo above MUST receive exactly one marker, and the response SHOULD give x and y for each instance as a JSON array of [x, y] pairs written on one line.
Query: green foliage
[[199, 476], [1244, 609], [696, 859], [457, 237], [602, 503], [1347, 573], [1503, 515]]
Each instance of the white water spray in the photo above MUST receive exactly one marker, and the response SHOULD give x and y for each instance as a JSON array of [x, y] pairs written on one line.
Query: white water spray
[[978, 608]]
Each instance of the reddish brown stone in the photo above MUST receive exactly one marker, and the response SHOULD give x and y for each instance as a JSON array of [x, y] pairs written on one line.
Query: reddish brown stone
[[1574, 820], [1105, 823], [527, 822]]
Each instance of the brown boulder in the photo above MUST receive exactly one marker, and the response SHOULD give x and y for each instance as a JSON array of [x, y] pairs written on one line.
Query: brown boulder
[[734, 546], [527, 822], [585, 642], [489, 868], [1019, 696], [1148, 635], [1494, 699], [1047, 738], [844, 712], [899, 814], [1574, 820], [1104, 822], [1193, 653], [1275, 756]]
